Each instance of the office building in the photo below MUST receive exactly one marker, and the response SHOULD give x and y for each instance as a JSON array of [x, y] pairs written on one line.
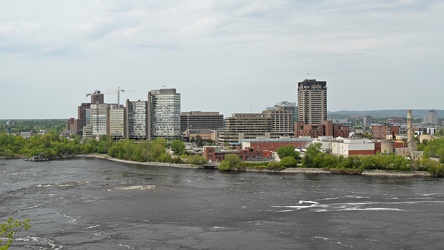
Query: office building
[[245, 126], [196, 120], [312, 101], [285, 105], [116, 121], [136, 120], [98, 119], [163, 114], [282, 122], [431, 117]]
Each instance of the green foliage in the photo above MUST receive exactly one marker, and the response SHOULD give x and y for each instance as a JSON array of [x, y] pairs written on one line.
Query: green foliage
[[57, 125], [288, 151], [8, 229], [434, 148], [433, 167], [314, 158], [277, 166], [311, 158], [289, 162], [232, 160], [199, 141], [178, 147], [224, 166], [196, 160], [229, 163]]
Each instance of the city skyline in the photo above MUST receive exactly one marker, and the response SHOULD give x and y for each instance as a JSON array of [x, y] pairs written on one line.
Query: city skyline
[[229, 57]]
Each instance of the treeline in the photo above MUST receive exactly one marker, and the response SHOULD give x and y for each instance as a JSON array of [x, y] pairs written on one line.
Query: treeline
[[52, 146], [315, 158], [34, 125]]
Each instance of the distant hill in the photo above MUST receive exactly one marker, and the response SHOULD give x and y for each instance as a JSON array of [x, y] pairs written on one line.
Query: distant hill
[[383, 113]]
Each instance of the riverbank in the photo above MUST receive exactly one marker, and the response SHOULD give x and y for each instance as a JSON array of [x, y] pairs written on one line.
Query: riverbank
[[162, 164], [285, 171]]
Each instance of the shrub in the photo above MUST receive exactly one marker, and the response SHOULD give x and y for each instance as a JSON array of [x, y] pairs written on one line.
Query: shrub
[[275, 166]]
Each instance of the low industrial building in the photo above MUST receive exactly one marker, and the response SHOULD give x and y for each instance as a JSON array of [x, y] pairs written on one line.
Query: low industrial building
[[215, 154], [275, 144], [327, 128]]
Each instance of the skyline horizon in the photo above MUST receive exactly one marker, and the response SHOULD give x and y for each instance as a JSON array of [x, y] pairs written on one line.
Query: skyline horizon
[[220, 55]]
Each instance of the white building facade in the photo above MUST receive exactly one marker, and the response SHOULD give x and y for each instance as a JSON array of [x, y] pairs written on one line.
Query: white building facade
[[163, 114]]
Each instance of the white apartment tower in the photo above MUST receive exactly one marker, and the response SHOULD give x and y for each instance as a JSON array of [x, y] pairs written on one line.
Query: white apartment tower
[[312, 101], [163, 114], [98, 119]]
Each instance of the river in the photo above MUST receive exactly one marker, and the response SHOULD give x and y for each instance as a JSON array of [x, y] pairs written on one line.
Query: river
[[100, 204]]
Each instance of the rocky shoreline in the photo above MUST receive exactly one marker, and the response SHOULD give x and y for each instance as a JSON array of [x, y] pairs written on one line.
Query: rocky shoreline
[[285, 171]]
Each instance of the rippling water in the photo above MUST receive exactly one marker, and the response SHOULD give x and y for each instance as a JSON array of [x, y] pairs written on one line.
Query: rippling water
[[98, 204]]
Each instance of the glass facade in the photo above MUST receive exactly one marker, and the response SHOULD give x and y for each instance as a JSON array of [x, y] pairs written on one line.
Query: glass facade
[[165, 114]]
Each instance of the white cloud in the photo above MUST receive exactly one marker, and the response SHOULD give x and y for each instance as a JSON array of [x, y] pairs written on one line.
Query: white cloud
[[253, 47]]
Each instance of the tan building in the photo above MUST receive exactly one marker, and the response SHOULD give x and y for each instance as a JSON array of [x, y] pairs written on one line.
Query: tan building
[[282, 124], [116, 129], [245, 126]]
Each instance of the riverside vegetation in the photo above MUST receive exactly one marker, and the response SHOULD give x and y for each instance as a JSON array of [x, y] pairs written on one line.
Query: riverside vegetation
[[52, 146], [314, 158]]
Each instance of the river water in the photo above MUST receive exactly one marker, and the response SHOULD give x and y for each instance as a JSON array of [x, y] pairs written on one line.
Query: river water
[[99, 204]]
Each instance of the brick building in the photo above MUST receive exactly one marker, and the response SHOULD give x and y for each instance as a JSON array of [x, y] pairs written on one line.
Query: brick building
[[380, 132], [327, 128], [216, 154], [275, 144]]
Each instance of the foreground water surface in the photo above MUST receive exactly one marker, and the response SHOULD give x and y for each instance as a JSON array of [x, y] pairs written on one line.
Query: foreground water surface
[[99, 204]]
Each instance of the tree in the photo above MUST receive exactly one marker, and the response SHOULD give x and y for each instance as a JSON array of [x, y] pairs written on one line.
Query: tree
[[7, 231], [289, 162], [287, 151], [230, 161], [199, 141], [178, 147], [312, 156]]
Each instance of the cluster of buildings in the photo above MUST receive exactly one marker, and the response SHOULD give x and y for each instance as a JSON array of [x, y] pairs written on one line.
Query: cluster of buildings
[[254, 135]]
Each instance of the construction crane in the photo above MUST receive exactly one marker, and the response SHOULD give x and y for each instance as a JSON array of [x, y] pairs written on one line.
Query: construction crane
[[118, 91], [118, 95]]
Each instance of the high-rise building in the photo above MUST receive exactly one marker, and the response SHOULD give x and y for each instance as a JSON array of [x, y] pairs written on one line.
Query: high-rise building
[[116, 121], [201, 120], [431, 117], [367, 120], [163, 114], [312, 101], [136, 120], [97, 97], [99, 119]]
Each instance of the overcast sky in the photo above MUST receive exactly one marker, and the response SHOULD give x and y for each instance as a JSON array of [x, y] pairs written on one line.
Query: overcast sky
[[228, 56]]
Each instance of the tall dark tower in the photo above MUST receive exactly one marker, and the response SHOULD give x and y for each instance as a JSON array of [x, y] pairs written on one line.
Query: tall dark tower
[[312, 101], [97, 98]]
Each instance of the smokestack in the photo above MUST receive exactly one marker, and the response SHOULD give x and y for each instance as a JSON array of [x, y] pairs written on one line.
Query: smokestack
[[409, 129]]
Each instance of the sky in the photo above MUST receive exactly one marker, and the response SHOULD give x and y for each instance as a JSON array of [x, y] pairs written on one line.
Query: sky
[[228, 56]]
